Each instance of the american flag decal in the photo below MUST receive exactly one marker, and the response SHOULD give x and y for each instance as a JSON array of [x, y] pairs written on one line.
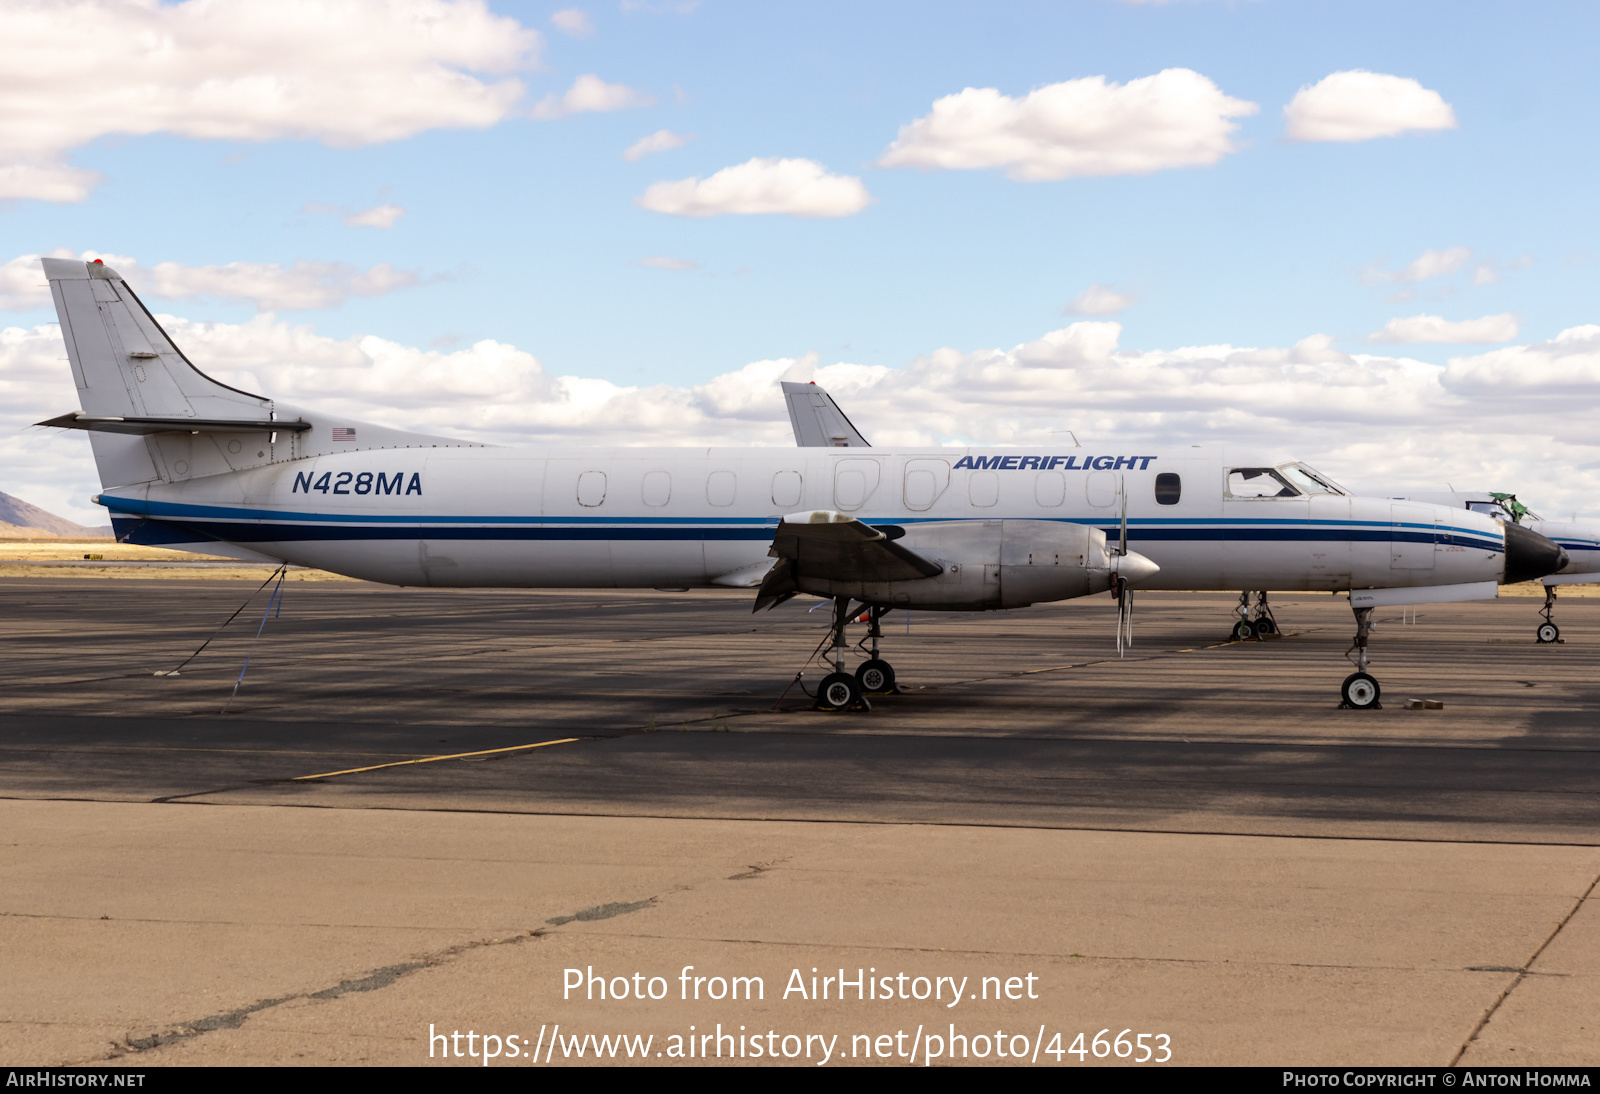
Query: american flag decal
[[344, 432]]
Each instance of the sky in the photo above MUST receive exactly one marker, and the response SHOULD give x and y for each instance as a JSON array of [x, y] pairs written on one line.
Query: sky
[[1360, 234]]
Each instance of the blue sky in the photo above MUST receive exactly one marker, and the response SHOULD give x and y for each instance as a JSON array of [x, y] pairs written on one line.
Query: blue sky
[[528, 232]]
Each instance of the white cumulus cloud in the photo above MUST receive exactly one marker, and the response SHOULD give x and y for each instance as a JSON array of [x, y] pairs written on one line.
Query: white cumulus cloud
[[662, 262], [573, 21], [379, 216], [662, 140], [1099, 300], [795, 187], [1433, 328], [589, 93], [1430, 264], [1358, 105], [267, 285], [343, 72], [1077, 128]]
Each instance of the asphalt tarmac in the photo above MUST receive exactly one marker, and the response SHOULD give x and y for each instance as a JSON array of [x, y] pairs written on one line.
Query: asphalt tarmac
[[411, 787]]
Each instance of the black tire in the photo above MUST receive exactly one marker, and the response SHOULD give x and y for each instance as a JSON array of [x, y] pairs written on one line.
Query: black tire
[[839, 691], [1360, 692], [875, 677], [1244, 630], [1265, 625], [1549, 632]]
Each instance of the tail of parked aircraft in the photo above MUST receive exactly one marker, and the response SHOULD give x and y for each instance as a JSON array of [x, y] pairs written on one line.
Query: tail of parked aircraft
[[134, 384], [817, 420], [153, 417]]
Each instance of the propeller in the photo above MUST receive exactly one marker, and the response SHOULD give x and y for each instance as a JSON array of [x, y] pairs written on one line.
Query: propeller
[[1119, 584]]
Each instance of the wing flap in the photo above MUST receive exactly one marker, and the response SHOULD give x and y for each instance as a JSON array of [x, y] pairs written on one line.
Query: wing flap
[[836, 546]]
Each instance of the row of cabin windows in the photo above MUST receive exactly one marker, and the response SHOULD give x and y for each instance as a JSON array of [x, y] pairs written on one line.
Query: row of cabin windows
[[850, 489]]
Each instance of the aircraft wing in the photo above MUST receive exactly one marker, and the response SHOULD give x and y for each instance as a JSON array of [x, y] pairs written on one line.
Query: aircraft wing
[[817, 420], [837, 546]]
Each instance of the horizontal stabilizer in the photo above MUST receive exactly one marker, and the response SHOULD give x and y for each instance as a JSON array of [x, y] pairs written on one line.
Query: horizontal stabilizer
[[145, 426], [837, 547]]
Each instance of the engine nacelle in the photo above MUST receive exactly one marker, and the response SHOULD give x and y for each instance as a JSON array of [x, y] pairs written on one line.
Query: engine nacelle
[[995, 564]]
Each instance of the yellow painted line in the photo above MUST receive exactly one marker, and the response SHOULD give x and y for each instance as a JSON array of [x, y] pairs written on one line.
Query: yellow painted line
[[431, 759]]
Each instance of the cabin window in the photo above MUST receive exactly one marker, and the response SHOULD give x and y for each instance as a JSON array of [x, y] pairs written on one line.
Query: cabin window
[[1169, 488], [1100, 489], [657, 488], [720, 487], [786, 489], [925, 481], [1258, 482], [1050, 489], [983, 487], [919, 489], [591, 488]]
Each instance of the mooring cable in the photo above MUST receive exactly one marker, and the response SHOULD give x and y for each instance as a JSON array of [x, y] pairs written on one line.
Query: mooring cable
[[278, 573], [282, 572]]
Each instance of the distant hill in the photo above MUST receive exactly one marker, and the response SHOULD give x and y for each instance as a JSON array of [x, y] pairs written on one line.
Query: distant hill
[[19, 520]]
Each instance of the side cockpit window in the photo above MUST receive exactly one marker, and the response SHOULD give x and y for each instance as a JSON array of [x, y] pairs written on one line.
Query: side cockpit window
[[1258, 482], [1169, 488]]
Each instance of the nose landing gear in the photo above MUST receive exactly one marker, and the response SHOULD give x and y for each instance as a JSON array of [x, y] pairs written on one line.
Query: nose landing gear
[[1359, 690], [1548, 631]]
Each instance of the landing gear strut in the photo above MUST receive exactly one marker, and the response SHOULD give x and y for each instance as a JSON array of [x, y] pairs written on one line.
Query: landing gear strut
[[1548, 631], [875, 675], [1360, 691], [839, 690], [1254, 620]]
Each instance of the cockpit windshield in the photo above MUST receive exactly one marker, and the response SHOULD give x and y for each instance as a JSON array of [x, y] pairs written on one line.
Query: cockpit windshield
[[1308, 481], [1258, 482]]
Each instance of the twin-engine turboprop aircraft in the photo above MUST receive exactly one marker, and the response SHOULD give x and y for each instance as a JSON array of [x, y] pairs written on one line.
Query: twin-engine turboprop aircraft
[[1580, 541], [1221, 541], [187, 461]]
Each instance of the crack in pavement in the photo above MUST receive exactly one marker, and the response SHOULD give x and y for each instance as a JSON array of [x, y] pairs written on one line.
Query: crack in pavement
[[602, 911], [1522, 974], [372, 981]]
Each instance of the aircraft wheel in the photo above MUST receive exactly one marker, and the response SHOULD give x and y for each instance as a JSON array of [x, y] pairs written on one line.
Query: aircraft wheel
[[1360, 692], [875, 677], [1549, 632], [1265, 625], [1244, 630], [839, 691]]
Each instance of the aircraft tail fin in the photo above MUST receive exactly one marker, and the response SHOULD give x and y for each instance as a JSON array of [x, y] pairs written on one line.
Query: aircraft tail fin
[[817, 420], [134, 384]]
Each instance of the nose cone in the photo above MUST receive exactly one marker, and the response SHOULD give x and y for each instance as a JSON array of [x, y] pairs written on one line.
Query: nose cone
[[1135, 568], [1530, 555]]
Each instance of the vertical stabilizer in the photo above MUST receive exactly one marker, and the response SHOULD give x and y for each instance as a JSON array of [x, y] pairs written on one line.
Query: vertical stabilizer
[[817, 420], [125, 366]]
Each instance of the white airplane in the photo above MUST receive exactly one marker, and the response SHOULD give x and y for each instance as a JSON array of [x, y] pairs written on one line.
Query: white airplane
[[1580, 541], [187, 461]]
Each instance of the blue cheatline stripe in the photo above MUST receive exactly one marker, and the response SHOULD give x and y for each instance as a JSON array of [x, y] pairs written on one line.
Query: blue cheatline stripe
[[266, 525], [171, 510], [242, 532]]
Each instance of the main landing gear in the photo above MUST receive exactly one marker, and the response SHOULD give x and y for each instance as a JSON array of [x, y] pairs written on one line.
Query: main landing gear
[[1360, 691], [1548, 631], [841, 690], [1254, 620]]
